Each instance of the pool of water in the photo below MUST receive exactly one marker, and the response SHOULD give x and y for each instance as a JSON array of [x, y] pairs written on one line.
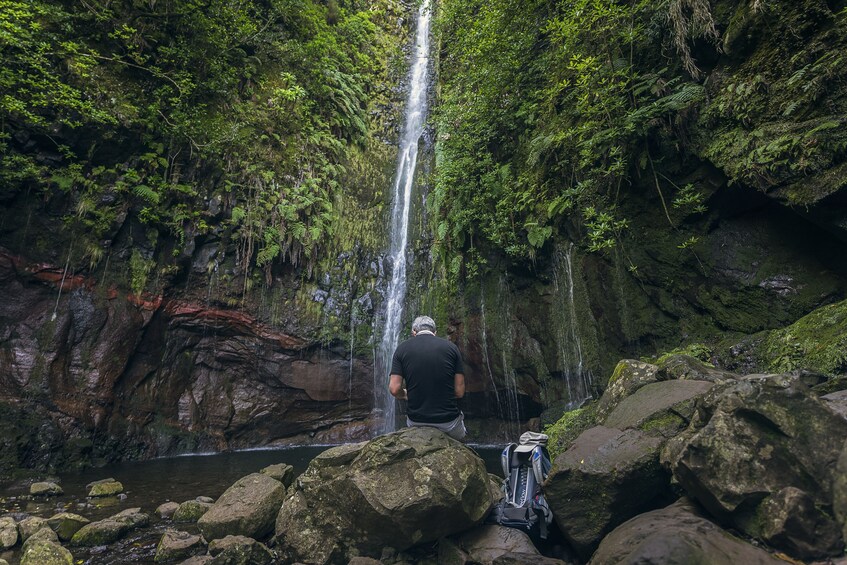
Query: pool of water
[[147, 484]]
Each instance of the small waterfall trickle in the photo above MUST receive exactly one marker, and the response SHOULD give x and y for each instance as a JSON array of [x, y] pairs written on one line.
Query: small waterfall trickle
[[416, 108], [578, 378]]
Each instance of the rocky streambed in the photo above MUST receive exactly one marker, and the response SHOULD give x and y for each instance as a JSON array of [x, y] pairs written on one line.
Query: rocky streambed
[[676, 463]]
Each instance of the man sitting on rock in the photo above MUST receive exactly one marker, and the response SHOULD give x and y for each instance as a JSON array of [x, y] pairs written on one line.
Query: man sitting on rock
[[432, 369]]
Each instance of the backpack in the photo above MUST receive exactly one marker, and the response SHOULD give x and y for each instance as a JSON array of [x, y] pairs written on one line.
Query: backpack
[[523, 506]]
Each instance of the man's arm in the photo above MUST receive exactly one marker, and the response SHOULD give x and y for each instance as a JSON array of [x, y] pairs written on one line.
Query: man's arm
[[395, 387], [459, 385]]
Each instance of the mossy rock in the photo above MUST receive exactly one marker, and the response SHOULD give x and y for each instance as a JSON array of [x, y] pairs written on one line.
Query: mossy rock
[[563, 433], [8, 532], [106, 487], [67, 524], [44, 552], [45, 488], [191, 511], [816, 342]]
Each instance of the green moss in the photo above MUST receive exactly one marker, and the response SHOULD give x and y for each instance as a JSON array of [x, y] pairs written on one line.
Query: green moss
[[817, 342], [699, 351], [568, 428], [663, 422]]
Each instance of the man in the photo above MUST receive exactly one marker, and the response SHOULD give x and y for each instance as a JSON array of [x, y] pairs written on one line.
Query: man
[[435, 380]]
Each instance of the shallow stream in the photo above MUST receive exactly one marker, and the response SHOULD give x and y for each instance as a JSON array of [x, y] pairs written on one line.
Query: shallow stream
[[147, 484]]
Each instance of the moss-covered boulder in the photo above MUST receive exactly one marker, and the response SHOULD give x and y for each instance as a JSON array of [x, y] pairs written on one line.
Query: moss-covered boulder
[[753, 438], [45, 488], [66, 524], [45, 552], [247, 508], [605, 478], [8, 532], [398, 490], [105, 487], [191, 511], [677, 535], [175, 544], [283, 472], [239, 550], [111, 529]]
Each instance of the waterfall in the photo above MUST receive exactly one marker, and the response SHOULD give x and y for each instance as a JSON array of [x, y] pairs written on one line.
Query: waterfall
[[578, 379], [416, 108]]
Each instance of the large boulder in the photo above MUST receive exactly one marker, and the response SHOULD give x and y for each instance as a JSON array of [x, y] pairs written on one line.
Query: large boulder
[[401, 489], [247, 508], [8, 532], [111, 529], [753, 438], [605, 478], [676, 535]]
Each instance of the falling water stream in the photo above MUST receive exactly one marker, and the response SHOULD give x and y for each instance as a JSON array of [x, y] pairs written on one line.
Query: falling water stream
[[416, 108], [577, 377]]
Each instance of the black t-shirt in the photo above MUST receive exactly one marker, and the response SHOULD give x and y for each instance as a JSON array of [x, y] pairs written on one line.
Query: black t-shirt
[[429, 365]]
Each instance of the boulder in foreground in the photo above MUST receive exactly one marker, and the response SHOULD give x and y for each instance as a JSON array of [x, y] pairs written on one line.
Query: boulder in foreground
[[751, 440], [677, 535], [401, 489], [247, 508], [605, 478]]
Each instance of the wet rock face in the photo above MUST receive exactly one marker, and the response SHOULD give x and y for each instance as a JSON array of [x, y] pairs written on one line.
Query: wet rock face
[[155, 376], [754, 439], [398, 490]]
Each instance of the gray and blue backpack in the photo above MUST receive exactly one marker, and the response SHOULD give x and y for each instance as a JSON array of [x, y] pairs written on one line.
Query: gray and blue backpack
[[525, 466]]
